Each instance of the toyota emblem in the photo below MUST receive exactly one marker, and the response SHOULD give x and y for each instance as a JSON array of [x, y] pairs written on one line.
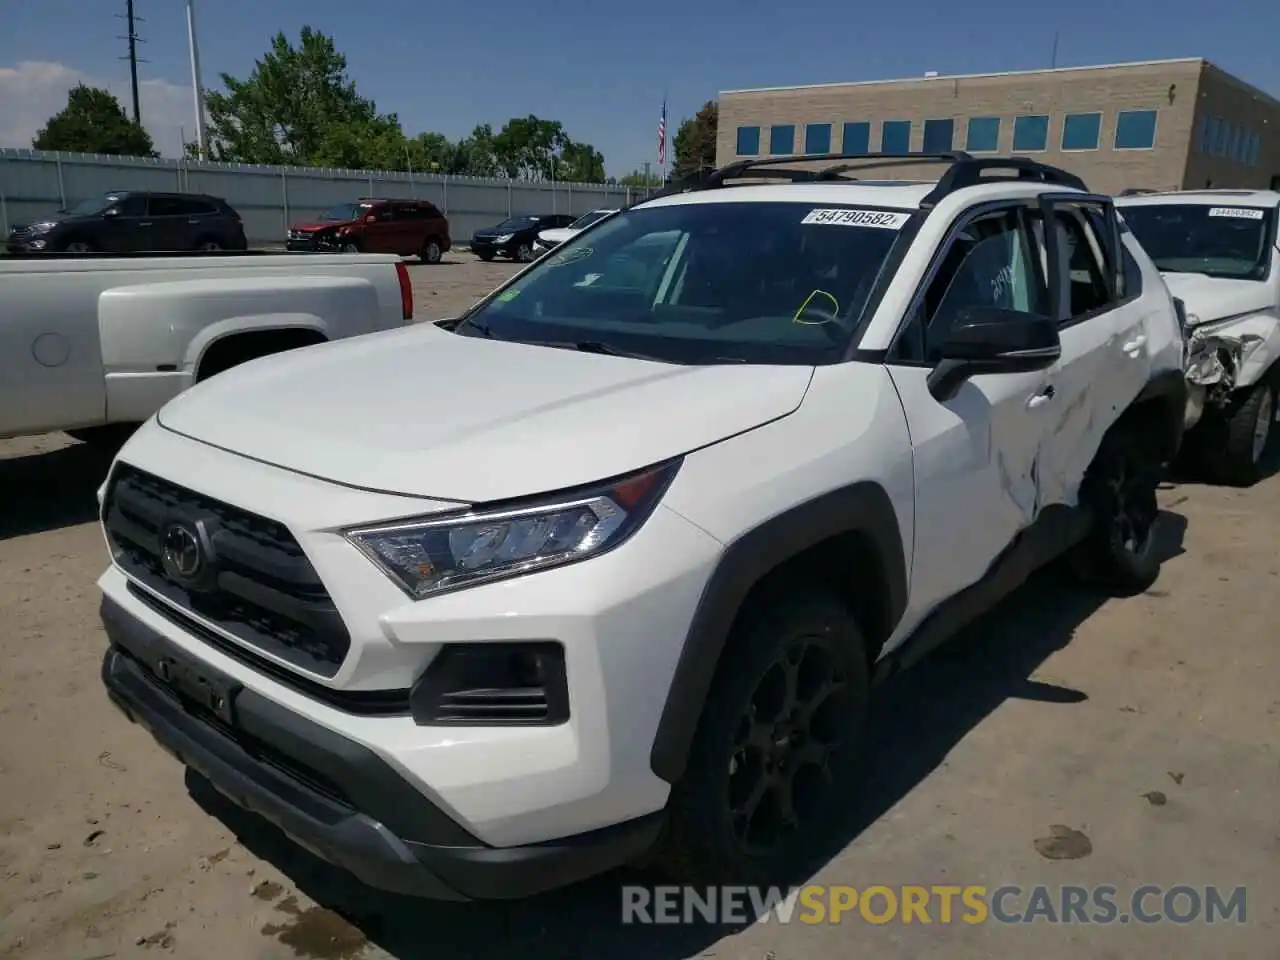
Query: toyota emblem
[[182, 553]]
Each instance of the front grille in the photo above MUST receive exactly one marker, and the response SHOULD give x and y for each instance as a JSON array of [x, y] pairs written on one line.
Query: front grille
[[258, 585]]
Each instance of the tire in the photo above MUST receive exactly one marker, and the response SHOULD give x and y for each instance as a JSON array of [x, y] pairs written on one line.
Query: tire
[[808, 633], [523, 254], [207, 245], [78, 246], [350, 246], [1120, 553], [1236, 449], [431, 252]]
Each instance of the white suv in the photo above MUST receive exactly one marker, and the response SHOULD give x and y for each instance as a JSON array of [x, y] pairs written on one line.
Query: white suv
[[608, 566], [1217, 251]]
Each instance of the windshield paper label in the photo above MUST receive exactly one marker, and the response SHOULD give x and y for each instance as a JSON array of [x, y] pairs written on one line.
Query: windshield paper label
[[843, 217], [1240, 213]]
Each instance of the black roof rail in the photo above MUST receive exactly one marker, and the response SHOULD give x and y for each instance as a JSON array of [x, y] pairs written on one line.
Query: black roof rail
[[964, 170]]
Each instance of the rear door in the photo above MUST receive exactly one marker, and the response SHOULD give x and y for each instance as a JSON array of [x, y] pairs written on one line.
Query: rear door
[[1105, 359], [165, 224], [410, 228]]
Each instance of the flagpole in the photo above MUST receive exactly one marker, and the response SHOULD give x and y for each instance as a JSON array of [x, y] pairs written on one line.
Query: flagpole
[[663, 149]]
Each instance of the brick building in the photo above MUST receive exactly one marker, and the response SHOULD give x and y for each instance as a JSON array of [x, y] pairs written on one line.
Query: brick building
[[1161, 124]]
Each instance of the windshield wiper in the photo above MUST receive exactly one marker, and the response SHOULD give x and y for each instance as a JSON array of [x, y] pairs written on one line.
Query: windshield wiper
[[600, 347]]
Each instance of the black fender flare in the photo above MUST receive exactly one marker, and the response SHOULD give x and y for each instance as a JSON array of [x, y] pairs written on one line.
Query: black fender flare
[[1165, 392], [863, 508]]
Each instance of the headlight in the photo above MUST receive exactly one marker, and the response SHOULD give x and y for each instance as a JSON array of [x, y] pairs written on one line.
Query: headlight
[[433, 555], [504, 238], [43, 227]]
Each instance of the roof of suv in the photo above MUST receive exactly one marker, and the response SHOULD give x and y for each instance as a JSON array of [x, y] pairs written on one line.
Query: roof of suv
[[1255, 198], [835, 184]]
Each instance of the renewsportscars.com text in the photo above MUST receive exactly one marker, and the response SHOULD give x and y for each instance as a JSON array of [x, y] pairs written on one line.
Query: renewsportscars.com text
[[942, 904]]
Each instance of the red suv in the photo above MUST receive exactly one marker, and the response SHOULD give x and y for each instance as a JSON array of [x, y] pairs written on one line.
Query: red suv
[[370, 225]]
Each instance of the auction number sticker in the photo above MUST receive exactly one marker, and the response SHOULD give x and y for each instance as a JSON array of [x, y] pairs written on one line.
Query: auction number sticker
[[844, 217], [1240, 213]]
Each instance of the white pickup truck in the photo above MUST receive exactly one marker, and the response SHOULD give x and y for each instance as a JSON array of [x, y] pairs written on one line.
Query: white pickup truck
[[96, 345]]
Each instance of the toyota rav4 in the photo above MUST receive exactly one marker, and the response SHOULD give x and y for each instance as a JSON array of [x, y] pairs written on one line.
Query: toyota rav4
[[606, 569]]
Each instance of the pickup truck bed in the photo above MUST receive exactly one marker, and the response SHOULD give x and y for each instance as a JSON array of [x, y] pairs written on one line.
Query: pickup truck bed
[[91, 341]]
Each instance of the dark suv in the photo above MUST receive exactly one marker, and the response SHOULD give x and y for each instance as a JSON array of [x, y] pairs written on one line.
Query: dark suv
[[371, 225], [129, 221], [514, 237]]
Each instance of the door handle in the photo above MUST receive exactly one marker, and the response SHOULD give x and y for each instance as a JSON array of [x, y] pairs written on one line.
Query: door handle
[[1041, 398], [144, 223], [193, 221], [1135, 345]]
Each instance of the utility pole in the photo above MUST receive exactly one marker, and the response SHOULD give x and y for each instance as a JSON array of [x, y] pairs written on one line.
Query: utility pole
[[197, 87], [132, 36], [648, 182]]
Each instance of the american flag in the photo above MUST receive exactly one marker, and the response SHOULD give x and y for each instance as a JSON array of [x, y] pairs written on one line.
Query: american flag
[[662, 134]]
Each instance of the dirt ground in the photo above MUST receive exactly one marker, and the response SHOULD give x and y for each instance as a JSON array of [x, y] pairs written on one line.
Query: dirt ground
[[1149, 726]]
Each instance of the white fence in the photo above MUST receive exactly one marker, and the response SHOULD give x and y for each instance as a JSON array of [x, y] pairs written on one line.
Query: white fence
[[36, 182]]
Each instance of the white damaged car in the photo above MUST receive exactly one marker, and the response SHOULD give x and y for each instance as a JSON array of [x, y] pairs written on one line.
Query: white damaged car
[[1217, 252]]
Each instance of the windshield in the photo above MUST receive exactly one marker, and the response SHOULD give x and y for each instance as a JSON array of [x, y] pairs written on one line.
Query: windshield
[[342, 212], [94, 205], [702, 283], [1229, 242], [588, 219], [517, 223]]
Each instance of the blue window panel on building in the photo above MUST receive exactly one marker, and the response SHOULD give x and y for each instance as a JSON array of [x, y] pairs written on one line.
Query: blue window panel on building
[[1222, 138], [1030, 133], [1233, 148], [1080, 131], [895, 136], [782, 139], [856, 137], [817, 138], [748, 141], [1135, 129], [1208, 132], [939, 136], [984, 134]]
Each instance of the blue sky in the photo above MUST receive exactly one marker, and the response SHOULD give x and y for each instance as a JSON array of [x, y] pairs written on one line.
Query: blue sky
[[598, 68]]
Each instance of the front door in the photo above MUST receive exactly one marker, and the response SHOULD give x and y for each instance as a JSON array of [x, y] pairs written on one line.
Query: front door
[[977, 456]]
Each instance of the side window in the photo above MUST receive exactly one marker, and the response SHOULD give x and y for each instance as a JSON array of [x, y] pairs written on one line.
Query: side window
[[165, 207], [989, 263], [132, 207], [1131, 275], [1084, 263], [386, 212], [411, 211], [196, 208]]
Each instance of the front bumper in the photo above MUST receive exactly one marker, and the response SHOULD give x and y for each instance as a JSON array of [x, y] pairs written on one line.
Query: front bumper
[[480, 246], [620, 618], [329, 794], [309, 244]]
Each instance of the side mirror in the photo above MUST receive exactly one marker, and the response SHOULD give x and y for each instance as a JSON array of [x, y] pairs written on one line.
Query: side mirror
[[993, 340], [111, 212]]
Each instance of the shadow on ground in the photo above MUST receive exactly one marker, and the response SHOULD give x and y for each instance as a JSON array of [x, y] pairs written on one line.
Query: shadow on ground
[[51, 489], [932, 707]]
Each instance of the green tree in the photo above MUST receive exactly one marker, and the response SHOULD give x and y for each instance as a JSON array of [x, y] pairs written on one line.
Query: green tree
[[639, 178], [299, 106], [695, 142], [581, 163], [94, 122]]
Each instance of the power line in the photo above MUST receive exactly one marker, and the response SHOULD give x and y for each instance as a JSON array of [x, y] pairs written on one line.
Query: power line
[[132, 36]]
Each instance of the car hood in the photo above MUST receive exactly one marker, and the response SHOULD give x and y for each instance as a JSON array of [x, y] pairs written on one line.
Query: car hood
[[1214, 298], [313, 226], [557, 235], [423, 412]]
